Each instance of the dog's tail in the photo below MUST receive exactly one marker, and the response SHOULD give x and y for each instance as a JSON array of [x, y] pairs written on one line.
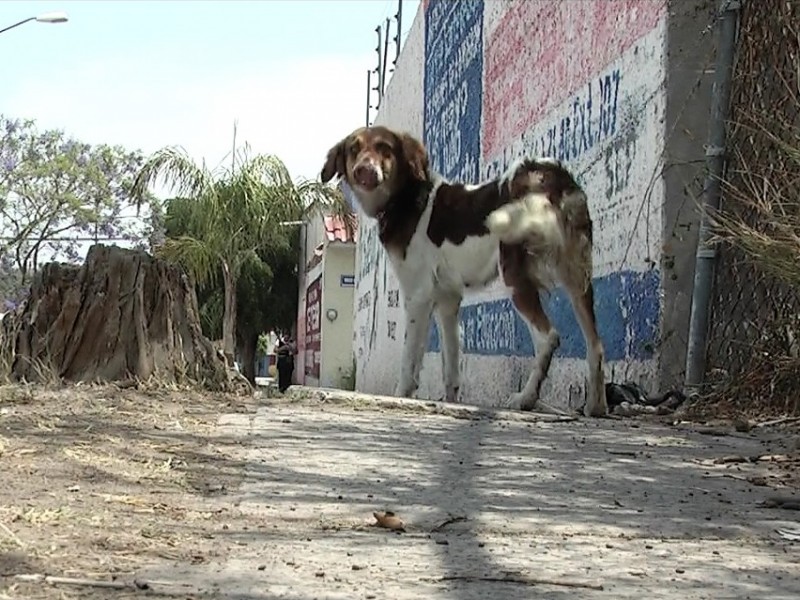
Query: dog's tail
[[532, 219]]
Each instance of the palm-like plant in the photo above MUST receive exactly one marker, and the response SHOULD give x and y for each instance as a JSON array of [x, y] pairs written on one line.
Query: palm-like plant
[[231, 214]]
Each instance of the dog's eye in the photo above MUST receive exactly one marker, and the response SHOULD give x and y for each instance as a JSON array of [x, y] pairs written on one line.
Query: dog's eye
[[383, 148], [354, 148]]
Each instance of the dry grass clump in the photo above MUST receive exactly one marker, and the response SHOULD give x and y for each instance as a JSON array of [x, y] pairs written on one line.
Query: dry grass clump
[[755, 356]]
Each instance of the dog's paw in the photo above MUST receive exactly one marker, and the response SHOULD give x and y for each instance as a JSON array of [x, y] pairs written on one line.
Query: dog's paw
[[451, 395], [595, 409], [596, 404], [519, 401], [403, 391]]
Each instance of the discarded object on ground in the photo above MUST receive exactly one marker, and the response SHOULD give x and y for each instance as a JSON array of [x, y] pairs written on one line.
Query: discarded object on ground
[[628, 399], [389, 520], [792, 535], [784, 502]]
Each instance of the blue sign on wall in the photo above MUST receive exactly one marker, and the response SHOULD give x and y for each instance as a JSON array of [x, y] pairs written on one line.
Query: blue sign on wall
[[453, 87]]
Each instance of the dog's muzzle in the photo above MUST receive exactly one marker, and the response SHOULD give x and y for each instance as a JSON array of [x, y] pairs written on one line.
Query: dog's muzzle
[[367, 176]]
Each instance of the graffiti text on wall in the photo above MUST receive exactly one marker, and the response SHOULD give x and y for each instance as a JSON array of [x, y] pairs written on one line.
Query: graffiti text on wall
[[369, 248], [453, 86], [545, 40], [393, 298], [590, 119]]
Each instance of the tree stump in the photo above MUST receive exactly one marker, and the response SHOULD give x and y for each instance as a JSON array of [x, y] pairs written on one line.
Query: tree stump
[[123, 315]]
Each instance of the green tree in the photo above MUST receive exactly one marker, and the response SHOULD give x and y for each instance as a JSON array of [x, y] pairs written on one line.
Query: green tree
[[231, 218], [266, 298], [57, 192]]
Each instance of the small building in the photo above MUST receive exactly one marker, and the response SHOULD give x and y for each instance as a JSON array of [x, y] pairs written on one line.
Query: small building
[[325, 308]]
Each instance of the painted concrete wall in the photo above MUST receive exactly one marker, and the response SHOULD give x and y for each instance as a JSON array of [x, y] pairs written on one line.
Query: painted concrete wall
[[336, 359], [690, 59], [485, 82]]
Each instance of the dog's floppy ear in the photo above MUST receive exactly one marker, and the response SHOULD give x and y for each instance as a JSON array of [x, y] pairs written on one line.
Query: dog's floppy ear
[[334, 163], [416, 156]]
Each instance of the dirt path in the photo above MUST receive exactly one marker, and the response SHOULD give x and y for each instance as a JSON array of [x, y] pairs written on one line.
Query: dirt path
[[277, 503]]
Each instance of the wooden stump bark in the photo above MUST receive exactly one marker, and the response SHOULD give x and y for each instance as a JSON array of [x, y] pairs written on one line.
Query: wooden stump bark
[[123, 315]]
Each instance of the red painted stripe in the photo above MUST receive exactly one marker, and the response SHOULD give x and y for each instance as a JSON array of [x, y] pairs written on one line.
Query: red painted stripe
[[542, 51]]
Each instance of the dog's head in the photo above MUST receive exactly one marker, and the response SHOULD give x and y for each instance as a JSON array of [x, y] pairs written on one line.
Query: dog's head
[[377, 162]]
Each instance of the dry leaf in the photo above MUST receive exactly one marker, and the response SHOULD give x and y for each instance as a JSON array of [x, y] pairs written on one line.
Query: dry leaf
[[389, 520]]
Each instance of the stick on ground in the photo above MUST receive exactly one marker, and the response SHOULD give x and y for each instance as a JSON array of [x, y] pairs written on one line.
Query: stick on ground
[[523, 581], [99, 583]]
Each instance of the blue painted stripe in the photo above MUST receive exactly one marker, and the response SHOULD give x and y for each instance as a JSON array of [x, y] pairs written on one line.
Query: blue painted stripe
[[627, 307]]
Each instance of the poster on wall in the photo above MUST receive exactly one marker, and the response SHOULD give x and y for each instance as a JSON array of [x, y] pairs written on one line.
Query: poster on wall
[[313, 327]]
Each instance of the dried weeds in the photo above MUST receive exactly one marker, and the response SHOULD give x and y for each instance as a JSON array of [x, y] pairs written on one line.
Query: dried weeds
[[754, 350]]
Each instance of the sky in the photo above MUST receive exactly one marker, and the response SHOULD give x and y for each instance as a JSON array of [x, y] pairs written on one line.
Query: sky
[[149, 74]]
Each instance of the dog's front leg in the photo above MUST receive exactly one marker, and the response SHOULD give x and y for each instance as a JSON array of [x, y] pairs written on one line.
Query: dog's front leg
[[418, 316]]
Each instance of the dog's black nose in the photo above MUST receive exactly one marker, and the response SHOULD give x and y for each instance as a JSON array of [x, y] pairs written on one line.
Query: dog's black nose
[[366, 177]]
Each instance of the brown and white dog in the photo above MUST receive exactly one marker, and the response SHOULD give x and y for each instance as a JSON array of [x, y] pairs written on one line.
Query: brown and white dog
[[531, 225]]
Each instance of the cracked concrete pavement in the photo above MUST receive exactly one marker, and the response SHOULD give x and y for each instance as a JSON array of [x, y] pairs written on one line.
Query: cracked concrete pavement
[[627, 505]]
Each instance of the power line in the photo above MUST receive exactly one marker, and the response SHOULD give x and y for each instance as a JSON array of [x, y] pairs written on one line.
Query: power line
[[132, 238]]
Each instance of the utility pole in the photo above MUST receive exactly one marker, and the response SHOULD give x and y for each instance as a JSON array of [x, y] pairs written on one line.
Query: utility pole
[[369, 93], [385, 54], [379, 68], [706, 251], [398, 17]]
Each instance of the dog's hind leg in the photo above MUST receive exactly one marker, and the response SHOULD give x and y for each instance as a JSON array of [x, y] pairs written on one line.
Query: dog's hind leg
[[546, 339], [447, 318], [418, 317], [582, 298]]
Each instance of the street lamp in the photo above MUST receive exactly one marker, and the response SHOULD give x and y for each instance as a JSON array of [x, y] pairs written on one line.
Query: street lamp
[[49, 17]]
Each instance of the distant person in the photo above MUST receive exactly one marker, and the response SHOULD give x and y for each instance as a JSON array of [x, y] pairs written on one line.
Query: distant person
[[285, 350]]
